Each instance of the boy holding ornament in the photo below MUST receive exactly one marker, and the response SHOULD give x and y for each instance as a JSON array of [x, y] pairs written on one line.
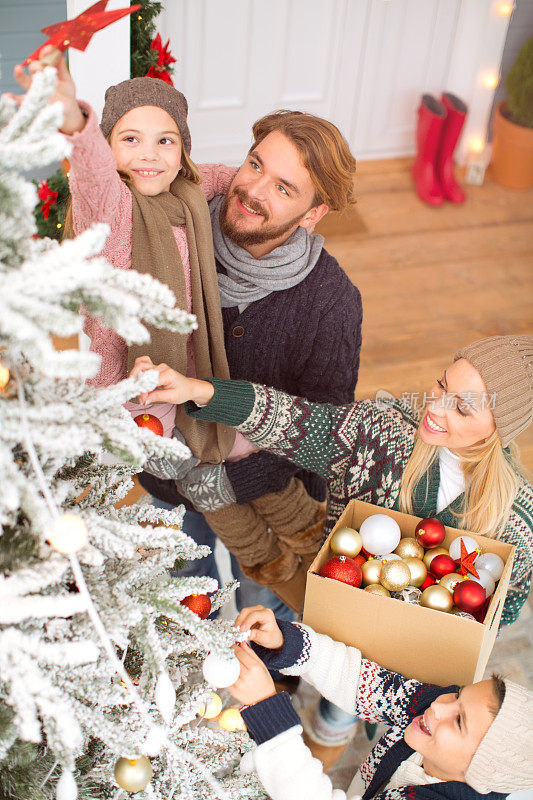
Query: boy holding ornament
[[458, 463], [463, 743]]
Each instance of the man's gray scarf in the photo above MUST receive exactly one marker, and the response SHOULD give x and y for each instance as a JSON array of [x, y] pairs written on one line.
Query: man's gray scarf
[[250, 279]]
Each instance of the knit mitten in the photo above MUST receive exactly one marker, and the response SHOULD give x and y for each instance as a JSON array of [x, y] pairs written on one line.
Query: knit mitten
[[207, 486], [167, 468]]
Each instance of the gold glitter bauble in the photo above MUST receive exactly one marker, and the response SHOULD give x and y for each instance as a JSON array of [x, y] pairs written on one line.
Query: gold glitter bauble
[[133, 774], [395, 575], [409, 548], [377, 588], [371, 570], [345, 542], [231, 720], [418, 571], [437, 597], [213, 709], [450, 581], [429, 555]]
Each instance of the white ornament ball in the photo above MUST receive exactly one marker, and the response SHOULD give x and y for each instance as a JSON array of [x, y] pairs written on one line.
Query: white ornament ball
[[492, 563], [68, 533], [380, 534], [485, 579], [221, 672], [455, 546]]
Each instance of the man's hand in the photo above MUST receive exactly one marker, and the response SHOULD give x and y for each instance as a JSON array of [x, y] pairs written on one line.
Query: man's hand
[[173, 387], [65, 92], [261, 623], [255, 682]]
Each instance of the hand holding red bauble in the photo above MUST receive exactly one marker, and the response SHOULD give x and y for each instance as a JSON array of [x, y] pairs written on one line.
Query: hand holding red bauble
[[199, 603], [344, 569], [153, 424], [442, 565], [430, 532], [469, 596]]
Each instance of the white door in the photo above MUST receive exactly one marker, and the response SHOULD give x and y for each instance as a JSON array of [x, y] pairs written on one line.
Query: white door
[[361, 63]]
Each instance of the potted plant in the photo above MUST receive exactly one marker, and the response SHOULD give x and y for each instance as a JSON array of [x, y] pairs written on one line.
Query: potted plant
[[512, 162]]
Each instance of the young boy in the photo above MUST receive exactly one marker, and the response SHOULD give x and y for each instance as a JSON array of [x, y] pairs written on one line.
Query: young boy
[[459, 743]]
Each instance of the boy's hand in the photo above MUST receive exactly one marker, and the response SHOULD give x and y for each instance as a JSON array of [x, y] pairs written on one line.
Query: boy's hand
[[173, 387], [261, 623], [65, 90], [255, 682]]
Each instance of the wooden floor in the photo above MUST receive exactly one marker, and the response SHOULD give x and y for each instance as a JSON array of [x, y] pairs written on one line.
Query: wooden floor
[[433, 279]]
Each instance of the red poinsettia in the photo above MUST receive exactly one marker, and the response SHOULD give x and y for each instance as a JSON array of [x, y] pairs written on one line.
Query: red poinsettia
[[47, 197], [164, 59]]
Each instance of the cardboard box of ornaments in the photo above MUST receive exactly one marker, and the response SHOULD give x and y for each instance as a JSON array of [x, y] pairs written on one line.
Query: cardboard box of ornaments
[[418, 642]]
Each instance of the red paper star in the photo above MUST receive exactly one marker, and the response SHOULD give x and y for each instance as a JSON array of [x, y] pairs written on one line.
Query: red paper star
[[466, 561], [79, 31], [48, 198]]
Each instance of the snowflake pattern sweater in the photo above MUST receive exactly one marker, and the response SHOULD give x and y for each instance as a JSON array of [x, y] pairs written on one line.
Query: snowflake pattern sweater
[[285, 765], [362, 452]]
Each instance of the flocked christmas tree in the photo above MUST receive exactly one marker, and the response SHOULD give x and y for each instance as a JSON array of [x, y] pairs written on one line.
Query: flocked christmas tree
[[99, 659]]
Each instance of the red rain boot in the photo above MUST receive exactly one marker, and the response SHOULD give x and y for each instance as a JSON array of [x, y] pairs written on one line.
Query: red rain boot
[[431, 117], [455, 119]]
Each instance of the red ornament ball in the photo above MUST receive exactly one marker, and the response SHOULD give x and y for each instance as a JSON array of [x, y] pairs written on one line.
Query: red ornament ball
[[442, 565], [344, 569], [152, 423], [430, 532], [199, 603], [430, 580], [469, 596], [360, 559]]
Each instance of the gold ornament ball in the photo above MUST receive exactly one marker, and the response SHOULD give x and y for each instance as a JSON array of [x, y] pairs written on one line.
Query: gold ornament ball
[[377, 588], [231, 720], [346, 542], [68, 533], [213, 708], [395, 575], [450, 581], [409, 548], [429, 555], [4, 376], [134, 774], [437, 598], [418, 570], [371, 570]]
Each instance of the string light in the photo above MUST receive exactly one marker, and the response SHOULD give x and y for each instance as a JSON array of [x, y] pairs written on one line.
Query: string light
[[504, 9], [476, 144], [4, 376], [490, 80], [59, 225]]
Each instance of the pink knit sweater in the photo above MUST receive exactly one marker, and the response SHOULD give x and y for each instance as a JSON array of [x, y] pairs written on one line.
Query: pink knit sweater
[[99, 195]]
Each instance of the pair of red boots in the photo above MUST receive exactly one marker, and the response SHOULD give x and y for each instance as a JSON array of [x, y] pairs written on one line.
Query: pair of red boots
[[438, 130]]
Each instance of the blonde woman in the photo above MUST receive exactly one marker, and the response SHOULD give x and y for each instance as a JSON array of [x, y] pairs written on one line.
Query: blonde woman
[[458, 462]]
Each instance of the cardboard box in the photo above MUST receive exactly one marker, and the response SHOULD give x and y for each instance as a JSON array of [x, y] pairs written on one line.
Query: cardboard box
[[418, 642]]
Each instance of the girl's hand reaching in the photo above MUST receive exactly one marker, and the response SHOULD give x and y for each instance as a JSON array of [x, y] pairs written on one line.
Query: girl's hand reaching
[[261, 623], [254, 682], [172, 386], [65, 90]]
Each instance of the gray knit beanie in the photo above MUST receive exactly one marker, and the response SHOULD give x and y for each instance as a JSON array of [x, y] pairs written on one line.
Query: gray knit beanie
[[137, 92], [503, 761], [506, 365]]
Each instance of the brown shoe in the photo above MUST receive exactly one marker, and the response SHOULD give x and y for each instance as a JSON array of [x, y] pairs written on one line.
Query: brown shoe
[[328, 755]]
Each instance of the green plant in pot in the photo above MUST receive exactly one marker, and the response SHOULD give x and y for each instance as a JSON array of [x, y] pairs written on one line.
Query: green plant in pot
[[512, 161]]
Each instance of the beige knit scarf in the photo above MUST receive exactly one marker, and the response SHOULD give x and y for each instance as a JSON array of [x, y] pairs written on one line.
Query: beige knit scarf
[[154, 251]]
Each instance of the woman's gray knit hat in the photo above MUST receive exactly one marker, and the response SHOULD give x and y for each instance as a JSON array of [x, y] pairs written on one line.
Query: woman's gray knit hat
[[506, 365], [137, 92], [503, 761]]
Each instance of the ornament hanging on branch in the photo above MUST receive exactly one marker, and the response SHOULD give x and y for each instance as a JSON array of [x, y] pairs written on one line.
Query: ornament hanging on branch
[[221, 672], [199, 603], [231, 720], [151, 422], [133, 775], [212, 708]]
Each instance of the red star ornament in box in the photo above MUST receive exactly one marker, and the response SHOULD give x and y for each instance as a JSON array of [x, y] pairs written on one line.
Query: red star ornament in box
[[164, 60], [466, 561], [79, 31]]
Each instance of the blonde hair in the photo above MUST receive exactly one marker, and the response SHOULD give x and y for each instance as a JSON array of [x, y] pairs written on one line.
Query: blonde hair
[[492, 479], [188, 170], [324, 151]]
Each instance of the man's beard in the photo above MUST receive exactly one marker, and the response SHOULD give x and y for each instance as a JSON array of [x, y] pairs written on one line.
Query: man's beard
[[244, 238]]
